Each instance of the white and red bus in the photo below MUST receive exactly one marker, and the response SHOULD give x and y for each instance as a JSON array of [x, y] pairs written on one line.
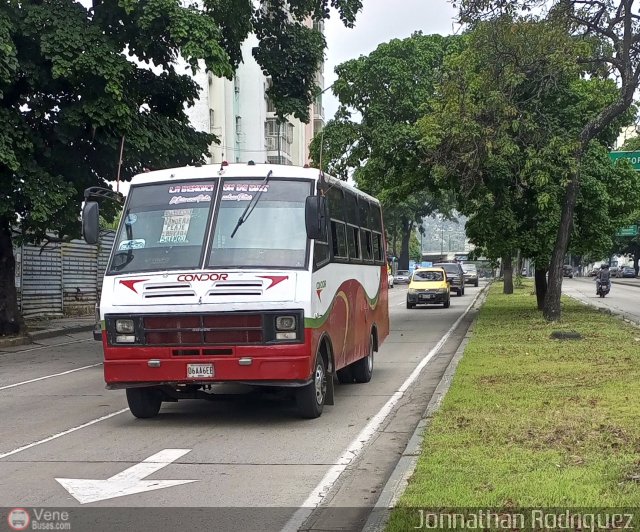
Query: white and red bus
[[253, 273]]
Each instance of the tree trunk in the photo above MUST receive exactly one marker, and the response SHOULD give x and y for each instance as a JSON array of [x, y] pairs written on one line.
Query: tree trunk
[[10, 319], [507, 268], [552, 310], [403, 260], [636, 258], [541, 286]]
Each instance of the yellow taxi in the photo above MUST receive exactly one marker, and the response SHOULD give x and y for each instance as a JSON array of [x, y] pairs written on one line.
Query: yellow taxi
[[429, 286]]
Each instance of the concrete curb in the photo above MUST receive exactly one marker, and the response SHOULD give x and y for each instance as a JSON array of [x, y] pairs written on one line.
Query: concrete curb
[[31, 337], [399, 479]]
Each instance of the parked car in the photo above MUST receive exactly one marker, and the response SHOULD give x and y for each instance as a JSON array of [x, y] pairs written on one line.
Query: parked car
[[390, 279], [594, 272], [454, 274], [567, 271], [402, 277], [470, 274], [613, 271], [627, 272], [429, 286]]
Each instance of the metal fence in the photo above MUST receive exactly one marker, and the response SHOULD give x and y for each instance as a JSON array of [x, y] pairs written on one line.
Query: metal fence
[[61, 279]]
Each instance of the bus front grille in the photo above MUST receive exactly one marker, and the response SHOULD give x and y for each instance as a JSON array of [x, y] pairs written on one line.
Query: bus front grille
[[203, 329]]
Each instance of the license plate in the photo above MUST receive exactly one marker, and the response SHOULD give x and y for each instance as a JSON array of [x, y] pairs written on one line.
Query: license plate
[[426, 296], [198, 371]]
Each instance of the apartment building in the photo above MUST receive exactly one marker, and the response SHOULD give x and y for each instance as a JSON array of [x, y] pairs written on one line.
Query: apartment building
[[239, 113]]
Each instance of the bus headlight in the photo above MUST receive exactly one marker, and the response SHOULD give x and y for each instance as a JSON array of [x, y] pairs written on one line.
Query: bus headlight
[[286, 323], [124, 326]]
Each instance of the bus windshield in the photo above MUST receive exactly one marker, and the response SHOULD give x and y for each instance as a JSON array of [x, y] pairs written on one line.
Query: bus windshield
[[273, 233], [163, 227]]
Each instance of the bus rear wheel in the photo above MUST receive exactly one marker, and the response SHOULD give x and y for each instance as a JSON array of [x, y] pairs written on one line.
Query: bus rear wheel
[[144, 402], [363, 368], [310, 398], [345, 376]]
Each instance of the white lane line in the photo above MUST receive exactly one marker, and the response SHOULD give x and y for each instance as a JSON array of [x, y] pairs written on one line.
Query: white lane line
[[48, 376], [361, 440], [45, 346], [63, 433]]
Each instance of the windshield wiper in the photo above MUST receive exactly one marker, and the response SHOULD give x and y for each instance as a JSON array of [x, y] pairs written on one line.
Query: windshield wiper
[[252, 205]]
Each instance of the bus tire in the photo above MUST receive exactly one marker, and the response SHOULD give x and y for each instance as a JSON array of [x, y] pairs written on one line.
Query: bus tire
[[144, 402], [310, 398], [345, 375], [363, 368]]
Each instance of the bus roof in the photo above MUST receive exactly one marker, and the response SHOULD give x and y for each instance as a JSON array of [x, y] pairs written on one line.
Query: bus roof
[[257, 171]]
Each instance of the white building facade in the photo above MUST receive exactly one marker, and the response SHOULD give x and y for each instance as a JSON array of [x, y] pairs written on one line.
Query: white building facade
[[243, 119]]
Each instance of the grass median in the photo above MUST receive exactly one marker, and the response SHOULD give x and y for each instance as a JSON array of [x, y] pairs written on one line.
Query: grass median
[[530, 421]]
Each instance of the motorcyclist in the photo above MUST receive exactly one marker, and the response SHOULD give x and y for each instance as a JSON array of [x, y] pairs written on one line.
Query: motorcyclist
[[602, 277]]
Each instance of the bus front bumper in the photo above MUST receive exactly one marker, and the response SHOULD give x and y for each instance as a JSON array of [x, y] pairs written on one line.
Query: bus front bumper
[[129, 366]]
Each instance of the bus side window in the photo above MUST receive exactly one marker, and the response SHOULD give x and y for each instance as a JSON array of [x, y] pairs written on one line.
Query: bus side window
[[353, 226], [367, 245], [377, 247], [321, 255], [375, 218], [354, 242], [339, 240]]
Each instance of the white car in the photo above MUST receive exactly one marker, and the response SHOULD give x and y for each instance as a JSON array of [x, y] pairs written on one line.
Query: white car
[[390, 280], [402, 277]]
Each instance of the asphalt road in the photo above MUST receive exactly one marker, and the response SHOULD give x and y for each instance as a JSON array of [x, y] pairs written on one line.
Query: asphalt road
[[250, 462], [622, 299]]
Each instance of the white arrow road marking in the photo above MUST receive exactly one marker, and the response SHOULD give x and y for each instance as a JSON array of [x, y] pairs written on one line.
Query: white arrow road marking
[[126, 483]]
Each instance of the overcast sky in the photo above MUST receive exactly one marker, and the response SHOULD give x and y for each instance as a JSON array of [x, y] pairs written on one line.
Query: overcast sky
[[378, 22]]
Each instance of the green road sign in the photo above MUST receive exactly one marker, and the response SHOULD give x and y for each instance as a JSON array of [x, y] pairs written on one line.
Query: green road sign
[[631, 230], [633, 156]]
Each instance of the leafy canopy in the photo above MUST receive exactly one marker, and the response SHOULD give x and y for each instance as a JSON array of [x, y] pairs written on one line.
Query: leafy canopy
[[76, 81], [503, 132]]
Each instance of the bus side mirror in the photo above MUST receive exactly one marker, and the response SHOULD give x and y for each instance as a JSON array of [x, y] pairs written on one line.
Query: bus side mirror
[[90, 222], [315, 217]]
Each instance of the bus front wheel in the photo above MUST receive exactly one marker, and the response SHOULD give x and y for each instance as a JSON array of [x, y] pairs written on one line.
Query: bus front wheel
[[144, 402], [310, 398]]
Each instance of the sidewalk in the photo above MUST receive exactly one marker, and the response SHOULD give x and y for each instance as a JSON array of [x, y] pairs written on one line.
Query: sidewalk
[[40, 328]]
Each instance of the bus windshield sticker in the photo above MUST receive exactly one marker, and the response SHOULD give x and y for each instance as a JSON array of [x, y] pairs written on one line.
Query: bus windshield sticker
[[175, 226], [126, 245], [203, 193], [241, 190]]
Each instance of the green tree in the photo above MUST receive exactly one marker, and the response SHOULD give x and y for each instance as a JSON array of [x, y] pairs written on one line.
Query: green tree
[[71, 90], [613, 27], [503, 135], [374, 137]]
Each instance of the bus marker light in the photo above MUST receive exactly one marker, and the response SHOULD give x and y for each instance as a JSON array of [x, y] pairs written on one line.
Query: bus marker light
[[286, 336]]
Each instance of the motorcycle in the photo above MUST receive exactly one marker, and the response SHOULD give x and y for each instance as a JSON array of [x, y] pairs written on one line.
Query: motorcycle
[[602, 287]]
